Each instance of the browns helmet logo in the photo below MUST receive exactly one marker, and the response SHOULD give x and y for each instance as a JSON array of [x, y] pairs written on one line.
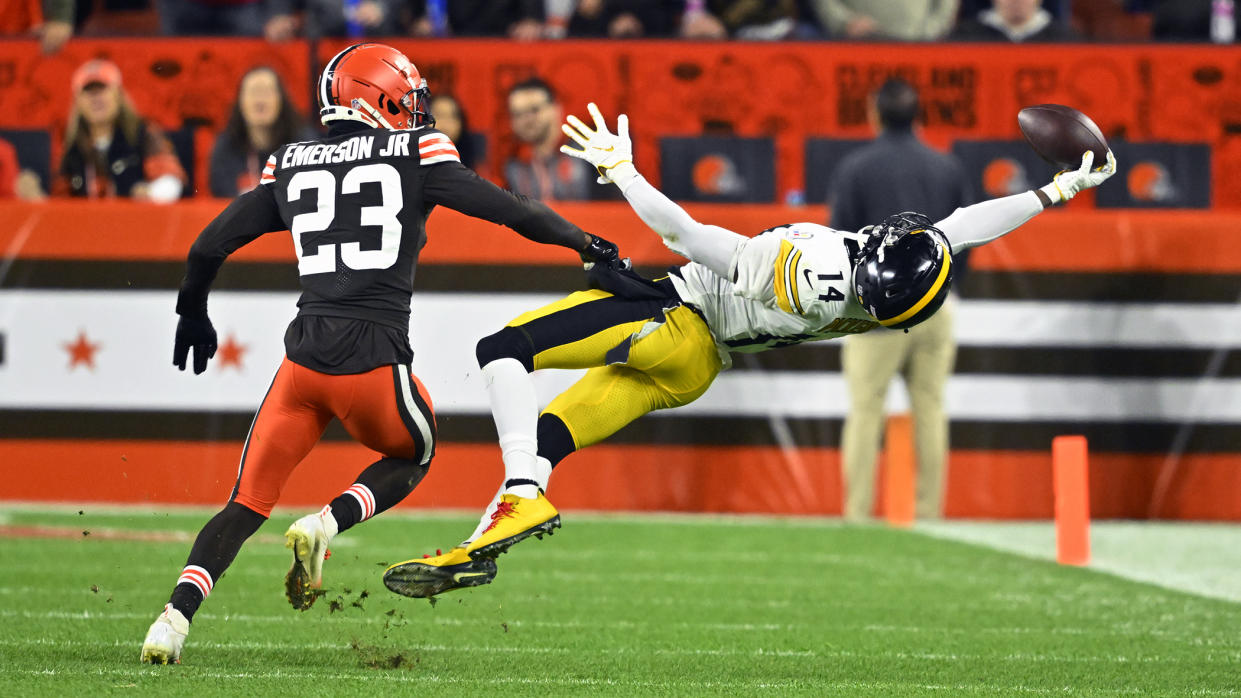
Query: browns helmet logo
[[1150, 182], [1003, 177], [716, 175]]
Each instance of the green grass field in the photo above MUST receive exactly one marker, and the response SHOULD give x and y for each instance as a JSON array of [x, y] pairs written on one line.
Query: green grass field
[[612, 606]]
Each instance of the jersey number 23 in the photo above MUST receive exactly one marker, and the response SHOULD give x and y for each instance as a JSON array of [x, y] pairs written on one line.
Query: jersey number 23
[[322, 259]]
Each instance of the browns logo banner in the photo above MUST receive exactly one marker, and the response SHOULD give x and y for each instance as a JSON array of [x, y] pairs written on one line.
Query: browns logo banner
[[718, 168]]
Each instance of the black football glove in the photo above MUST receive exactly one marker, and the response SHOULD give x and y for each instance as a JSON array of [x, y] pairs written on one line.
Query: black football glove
[[600, 251], [194, 331]]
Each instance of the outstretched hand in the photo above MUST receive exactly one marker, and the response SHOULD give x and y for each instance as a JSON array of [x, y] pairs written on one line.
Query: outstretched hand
[[1069, 183], [611, 154]]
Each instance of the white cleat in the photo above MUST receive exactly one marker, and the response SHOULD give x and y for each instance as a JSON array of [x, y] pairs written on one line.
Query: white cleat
[[308, 540], [165, 638]]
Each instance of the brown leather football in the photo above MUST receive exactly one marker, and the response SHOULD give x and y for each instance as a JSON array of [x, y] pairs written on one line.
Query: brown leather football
[[1061, 135]]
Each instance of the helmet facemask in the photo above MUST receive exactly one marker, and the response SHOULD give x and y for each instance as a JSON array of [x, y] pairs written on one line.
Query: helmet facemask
[[418, 103]]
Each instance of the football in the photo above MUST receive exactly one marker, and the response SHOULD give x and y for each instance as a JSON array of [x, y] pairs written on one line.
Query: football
[[1062, 134]]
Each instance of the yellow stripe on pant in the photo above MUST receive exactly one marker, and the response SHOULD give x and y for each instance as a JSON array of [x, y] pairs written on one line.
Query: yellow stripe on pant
[[671, 361]]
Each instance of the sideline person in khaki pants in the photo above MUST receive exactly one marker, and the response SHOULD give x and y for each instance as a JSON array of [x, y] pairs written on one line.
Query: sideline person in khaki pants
[[897, 172], [924, 357]]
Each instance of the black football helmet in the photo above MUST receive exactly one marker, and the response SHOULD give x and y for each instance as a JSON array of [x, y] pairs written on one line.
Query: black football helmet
[[903, 272]]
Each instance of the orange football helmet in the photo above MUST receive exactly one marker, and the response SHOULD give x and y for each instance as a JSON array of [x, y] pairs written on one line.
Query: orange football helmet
[[374, 84]]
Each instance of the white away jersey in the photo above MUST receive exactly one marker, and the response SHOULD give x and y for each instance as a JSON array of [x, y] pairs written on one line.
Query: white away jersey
[[793, 284]]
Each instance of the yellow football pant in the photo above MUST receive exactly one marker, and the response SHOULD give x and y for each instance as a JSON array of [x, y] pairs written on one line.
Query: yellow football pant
[[640, 357]]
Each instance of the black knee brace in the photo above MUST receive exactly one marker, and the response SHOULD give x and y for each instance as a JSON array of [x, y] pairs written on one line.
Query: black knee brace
[[508, 343]]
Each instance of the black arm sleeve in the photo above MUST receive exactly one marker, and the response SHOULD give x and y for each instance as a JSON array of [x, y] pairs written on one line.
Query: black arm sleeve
[[247, 218], [456, 186]]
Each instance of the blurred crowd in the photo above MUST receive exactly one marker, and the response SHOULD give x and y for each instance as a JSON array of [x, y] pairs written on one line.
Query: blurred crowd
[[109, 150], [55, 21]]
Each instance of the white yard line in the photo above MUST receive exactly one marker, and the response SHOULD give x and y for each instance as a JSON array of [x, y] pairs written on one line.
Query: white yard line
[[760, 652], [1198, 558], [344, 618], [630, 626], [399, 677], [591, 599]]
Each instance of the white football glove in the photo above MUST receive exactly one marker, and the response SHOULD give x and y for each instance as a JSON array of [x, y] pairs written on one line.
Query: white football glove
[[612, 155], [1069, 183]]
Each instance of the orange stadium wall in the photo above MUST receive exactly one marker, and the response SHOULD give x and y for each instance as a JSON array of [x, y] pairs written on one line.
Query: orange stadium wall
[[1144, 300], [789, 92], [87, 290]]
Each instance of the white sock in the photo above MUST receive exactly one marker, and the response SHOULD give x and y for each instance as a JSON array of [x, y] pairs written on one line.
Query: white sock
[[198, 577], [542, 472], [365, 499], [484, 522], [520, 462], [515, 409]]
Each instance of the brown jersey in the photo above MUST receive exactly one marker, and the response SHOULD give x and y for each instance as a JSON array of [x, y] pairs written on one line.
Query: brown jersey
[[356, 203]]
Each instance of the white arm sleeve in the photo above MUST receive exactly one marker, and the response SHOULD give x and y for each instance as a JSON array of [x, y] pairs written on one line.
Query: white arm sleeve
[[981, 223], [708, 245]]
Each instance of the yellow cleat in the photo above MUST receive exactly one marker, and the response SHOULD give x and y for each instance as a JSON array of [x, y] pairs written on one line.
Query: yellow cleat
[[514, 520], [429, 576]]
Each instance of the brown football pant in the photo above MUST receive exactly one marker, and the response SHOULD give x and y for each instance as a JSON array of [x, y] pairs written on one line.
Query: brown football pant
[[386, 409]]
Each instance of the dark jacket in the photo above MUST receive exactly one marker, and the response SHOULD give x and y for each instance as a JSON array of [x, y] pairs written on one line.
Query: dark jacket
[[658, 17], [977, 30], [896, 173], [86, 172], [484, 17], [235, 169], [1184, 20]]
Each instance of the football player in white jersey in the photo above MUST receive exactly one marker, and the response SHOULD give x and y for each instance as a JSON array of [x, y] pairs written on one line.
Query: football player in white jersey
[[658, 344]]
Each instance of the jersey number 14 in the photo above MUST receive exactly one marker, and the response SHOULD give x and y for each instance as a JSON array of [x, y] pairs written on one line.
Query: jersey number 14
[[323, 259]]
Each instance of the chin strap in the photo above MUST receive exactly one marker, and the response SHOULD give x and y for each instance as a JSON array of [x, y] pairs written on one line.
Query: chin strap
[[360, 111]]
